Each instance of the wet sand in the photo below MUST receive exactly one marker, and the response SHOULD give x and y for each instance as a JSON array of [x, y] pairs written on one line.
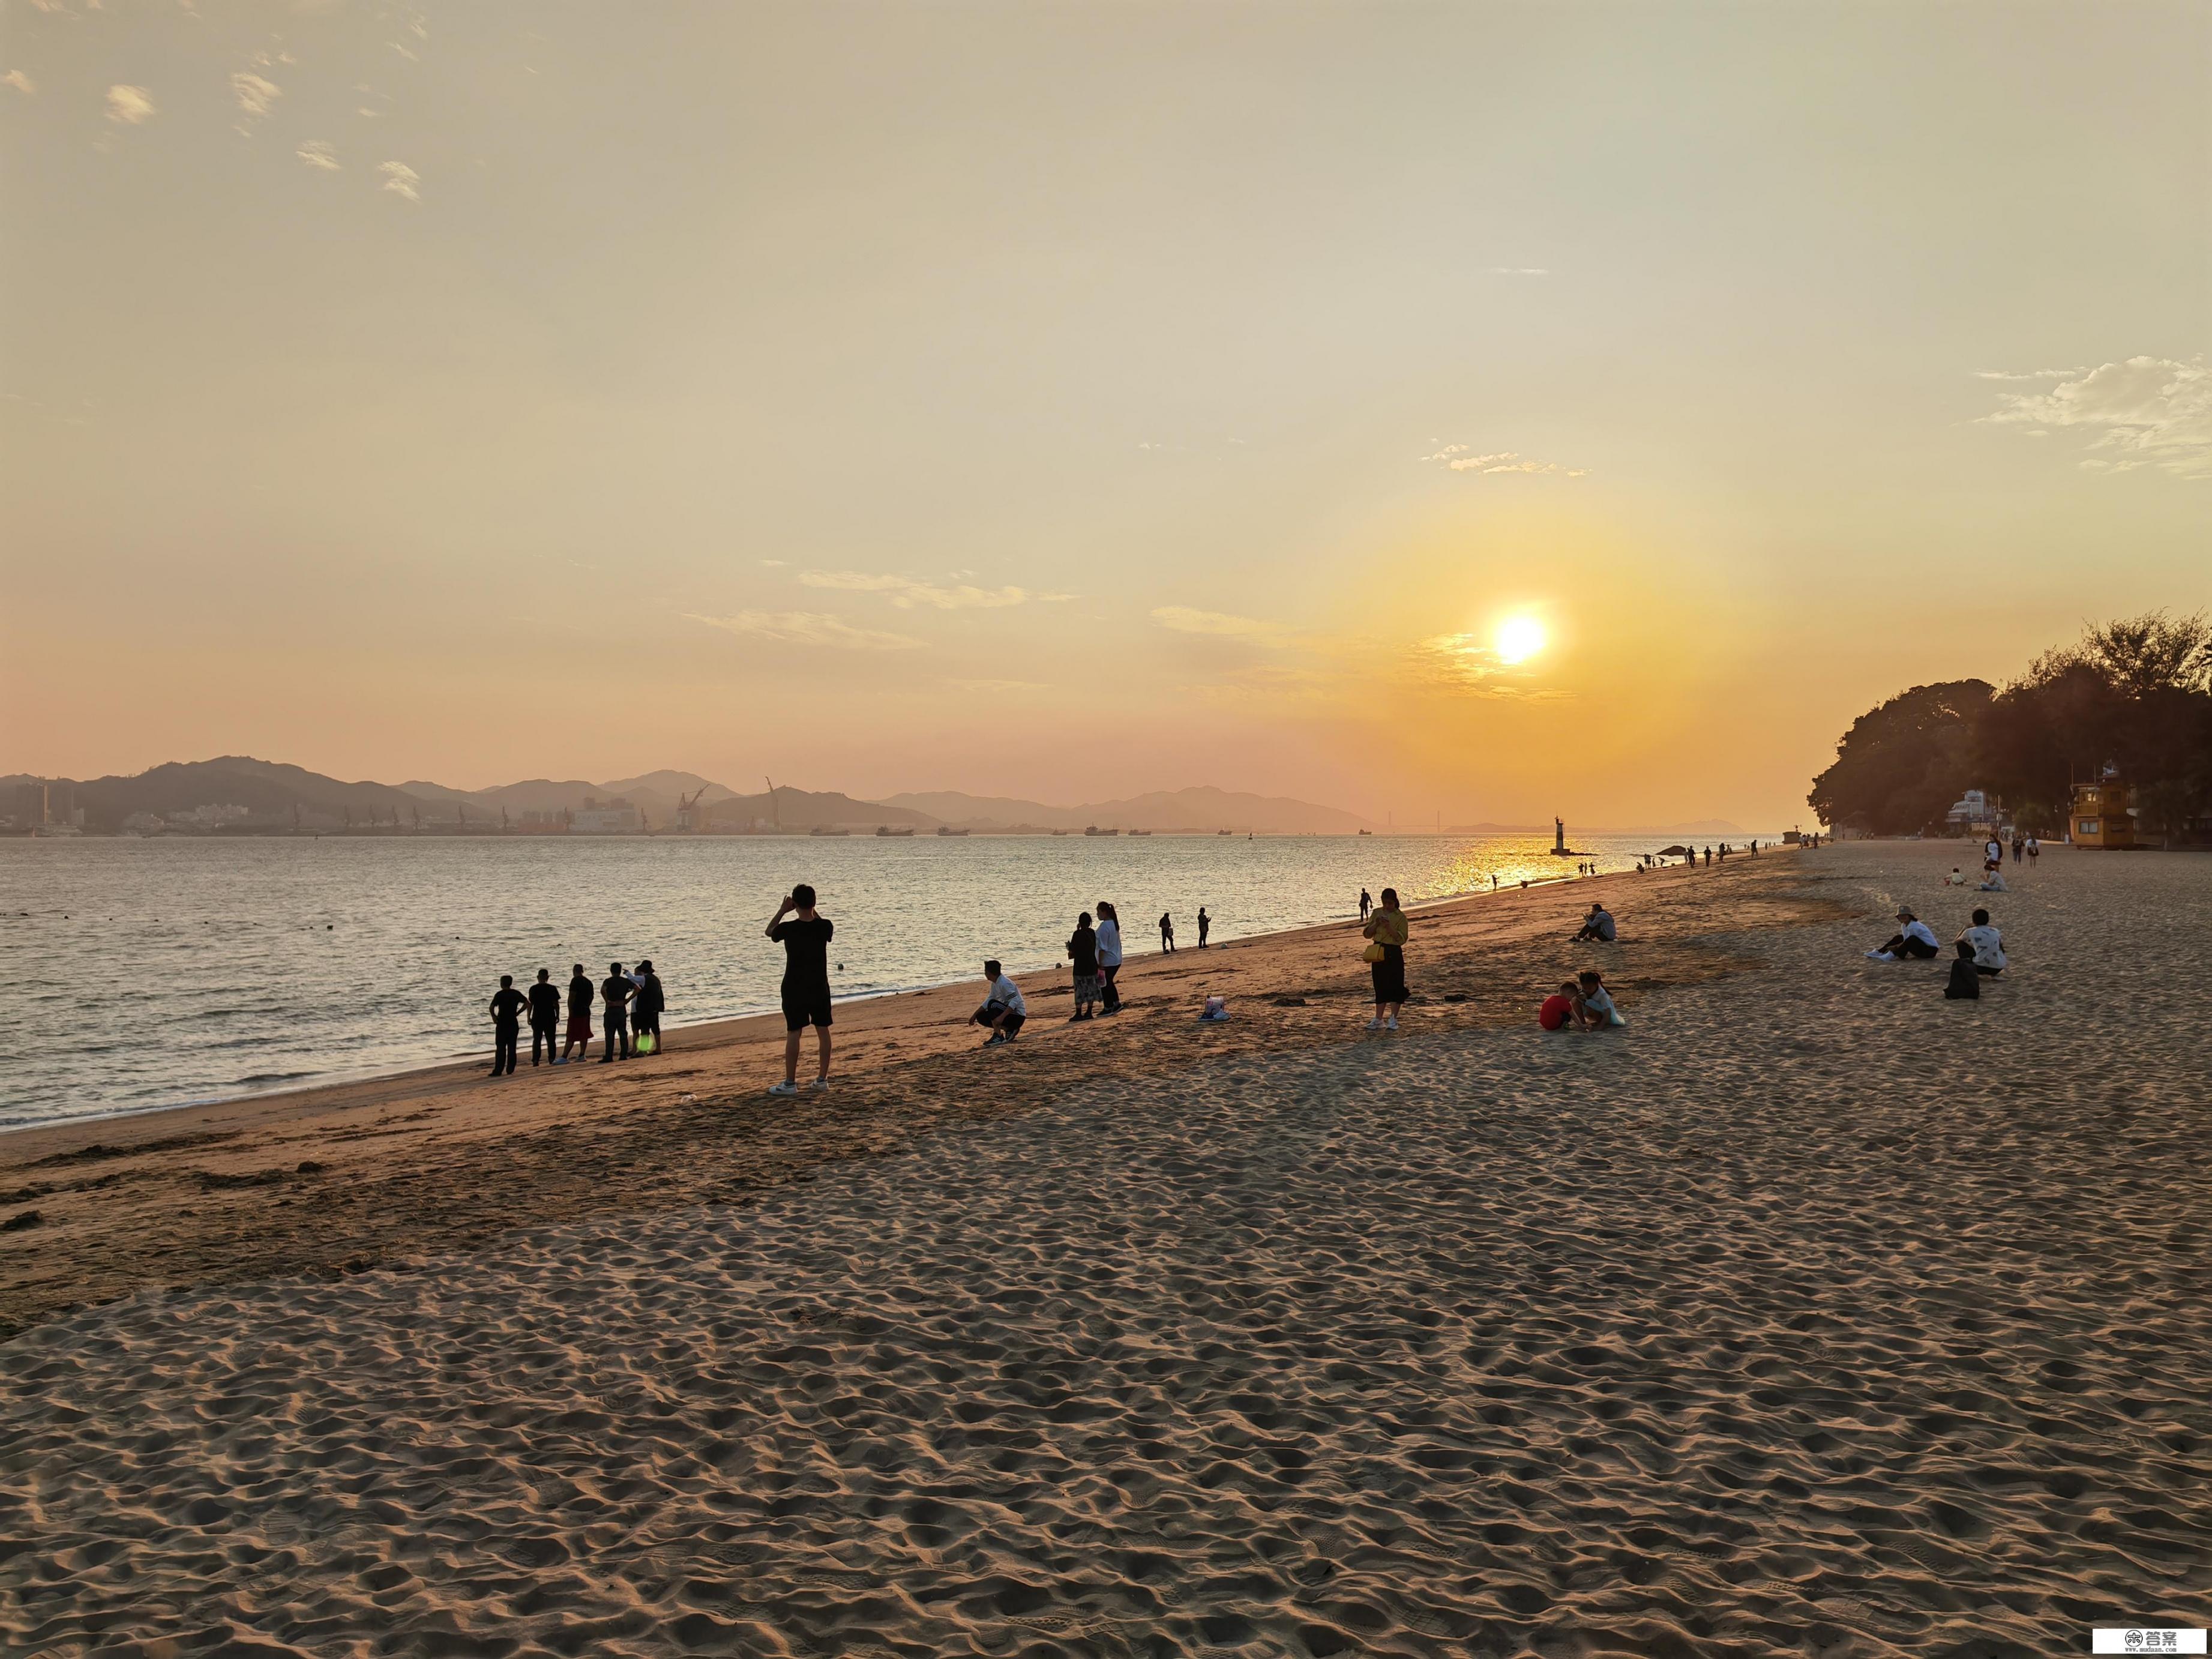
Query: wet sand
[[1808, 1314]]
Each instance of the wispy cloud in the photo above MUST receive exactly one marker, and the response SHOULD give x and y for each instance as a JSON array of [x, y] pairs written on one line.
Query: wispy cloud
[[400, 179], [255, 95], [1463, 663], [909, 594], [2149, 411], [130, 107], [317, 154], [808, 628], [20, 81], [2027, 374], [1182, 619], [1461, 458]]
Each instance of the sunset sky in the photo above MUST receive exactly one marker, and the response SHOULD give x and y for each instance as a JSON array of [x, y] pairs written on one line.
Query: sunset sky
[[1068, 401]]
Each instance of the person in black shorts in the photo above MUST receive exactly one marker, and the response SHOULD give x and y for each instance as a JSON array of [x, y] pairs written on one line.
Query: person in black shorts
[[647, 1006], [615, 993], [544, 1015], [806, 941], [507, 1003]]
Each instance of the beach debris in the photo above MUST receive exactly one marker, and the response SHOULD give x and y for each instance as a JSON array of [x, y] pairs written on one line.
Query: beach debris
[[1216, 1010], [308, 1166], [21, 1219]]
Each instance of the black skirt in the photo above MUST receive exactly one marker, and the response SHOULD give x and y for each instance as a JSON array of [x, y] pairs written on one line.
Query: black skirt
[[1389, 974]]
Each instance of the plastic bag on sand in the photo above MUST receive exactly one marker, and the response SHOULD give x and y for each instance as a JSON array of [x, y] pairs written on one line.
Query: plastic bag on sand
[[1217, 1009]]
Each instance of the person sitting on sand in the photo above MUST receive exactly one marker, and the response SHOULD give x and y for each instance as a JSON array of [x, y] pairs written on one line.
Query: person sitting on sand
[[1388, 929], [1083, 952], [1987, 945], [1966, 981], [1956, 879], [1004, 1010], [1598, 926], [1558, 1011], [507, 1006], [1109, 957], [544, 1015], [1596, 1012], [1993, 880], [615, 993], [580, 1015], [805, 993], [1913, 939]]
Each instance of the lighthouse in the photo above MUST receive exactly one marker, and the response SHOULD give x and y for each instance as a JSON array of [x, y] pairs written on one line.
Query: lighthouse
[[1559, 835]]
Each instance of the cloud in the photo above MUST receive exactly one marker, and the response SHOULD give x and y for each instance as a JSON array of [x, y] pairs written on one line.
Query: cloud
[[20, 81], [130, 106], [1462, 663], [1182, 619], [808, 628], [400, 179], [317, 154], [1459, 458], [908, 595], [256, 95], [2152, 411]]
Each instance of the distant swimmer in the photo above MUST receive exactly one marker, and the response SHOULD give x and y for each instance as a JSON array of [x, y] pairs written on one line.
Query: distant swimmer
[[507, 1006], [806, 941], [544, 1015]]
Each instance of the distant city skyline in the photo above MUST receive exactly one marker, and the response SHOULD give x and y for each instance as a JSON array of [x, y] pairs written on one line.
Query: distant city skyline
[[1476, 411]]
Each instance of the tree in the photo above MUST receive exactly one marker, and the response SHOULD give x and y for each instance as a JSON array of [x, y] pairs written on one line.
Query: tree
[[1902, 764]]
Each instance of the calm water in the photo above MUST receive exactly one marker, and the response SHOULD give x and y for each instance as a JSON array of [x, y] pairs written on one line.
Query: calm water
[[157, 972]]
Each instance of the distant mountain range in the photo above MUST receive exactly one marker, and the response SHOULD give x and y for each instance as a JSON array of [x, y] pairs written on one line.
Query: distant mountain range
[[238, 793]]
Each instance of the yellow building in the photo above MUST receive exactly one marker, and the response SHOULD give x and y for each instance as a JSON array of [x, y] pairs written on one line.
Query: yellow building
[[2101, 814]]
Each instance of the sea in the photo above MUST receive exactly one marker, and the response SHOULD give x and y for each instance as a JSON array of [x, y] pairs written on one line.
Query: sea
[[170, 971]]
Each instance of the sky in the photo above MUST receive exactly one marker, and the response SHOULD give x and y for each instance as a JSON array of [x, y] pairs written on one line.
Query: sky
[[1067, 401]]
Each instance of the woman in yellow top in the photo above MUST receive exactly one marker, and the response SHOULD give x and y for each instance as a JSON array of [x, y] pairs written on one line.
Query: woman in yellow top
[[1389, 928]]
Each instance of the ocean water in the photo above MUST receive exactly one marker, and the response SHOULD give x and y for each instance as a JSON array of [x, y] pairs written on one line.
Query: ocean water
[[153, 973]]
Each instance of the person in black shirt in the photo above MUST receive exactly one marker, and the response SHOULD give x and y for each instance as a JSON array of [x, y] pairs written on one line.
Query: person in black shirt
[[1167, 931], [1083, 952], [507, 1006], [1205, 926], [1965, 982], [544, 1014], [806, 941], [614, 997], [645, 1007], [580, 1015]]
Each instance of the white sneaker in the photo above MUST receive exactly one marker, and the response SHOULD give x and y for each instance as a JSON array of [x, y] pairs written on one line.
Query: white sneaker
[[819, 1083], [783, 1089], [1374, 1024], [1877, 956], [1390, 1025]]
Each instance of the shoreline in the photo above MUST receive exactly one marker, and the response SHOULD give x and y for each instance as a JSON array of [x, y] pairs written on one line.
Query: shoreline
[[338, 1177], [711, 1027]]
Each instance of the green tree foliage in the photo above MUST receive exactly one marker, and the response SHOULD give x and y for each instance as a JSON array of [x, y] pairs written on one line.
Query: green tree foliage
[[1899, 768], [2134, 694]]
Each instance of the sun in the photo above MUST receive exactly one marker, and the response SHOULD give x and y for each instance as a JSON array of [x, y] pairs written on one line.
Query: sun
[[1519, 638]]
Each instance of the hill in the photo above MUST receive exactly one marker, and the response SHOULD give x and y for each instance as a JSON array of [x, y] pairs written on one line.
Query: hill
[[270, 792], [1203, 807]]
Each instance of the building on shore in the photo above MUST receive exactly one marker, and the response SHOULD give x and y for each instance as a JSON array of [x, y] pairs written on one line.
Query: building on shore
[[606, 817], [2103, 813]]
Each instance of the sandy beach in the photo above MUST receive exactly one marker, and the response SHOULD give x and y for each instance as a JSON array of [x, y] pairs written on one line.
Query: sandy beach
[[1809, 1314]]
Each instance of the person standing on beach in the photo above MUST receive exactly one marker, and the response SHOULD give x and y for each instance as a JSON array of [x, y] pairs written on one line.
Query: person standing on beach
[[1167, 931], [1367, 903], [806, 941], [1109, 955], [507, 1006], [580, 1015], [1387, 929], [544, 1014], [1205, 926], [2035, 849], [645, 1007], [1083, 952], [615, 993]]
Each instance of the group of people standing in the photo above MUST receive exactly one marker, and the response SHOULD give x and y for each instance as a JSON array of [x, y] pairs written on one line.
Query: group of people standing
[[632, 1002]]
